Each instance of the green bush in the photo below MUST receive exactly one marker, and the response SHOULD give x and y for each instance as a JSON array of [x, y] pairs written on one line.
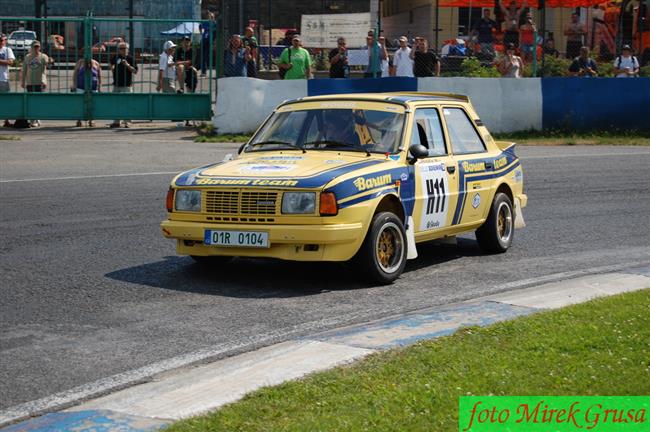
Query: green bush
[[554, 67], [606, 70], [645, 71], [472, 67]]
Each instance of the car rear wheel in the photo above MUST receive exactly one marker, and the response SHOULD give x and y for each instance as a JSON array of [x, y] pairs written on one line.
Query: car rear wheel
[[496, 233], [382, 256], [213, 261]]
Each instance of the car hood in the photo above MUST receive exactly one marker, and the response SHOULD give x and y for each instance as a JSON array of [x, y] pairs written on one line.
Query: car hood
[[313, 169]]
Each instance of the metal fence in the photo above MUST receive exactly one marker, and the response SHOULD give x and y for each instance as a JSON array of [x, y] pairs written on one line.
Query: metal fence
[[70, 44]]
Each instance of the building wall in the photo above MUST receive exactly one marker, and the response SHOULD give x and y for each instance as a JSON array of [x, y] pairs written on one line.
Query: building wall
[[177, 9]]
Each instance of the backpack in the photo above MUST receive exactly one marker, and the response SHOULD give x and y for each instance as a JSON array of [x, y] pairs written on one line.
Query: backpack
[[635, 62], [282, 72]]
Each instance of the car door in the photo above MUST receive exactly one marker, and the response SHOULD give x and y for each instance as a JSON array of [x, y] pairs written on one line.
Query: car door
[[475, 182], [436, 175]]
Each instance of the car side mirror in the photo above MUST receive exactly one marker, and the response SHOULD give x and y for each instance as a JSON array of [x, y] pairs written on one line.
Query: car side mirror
[[419, 151], [241, 148]]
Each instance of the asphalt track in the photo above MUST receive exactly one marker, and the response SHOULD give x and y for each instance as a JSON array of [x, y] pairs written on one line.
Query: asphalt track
[[90, 289]]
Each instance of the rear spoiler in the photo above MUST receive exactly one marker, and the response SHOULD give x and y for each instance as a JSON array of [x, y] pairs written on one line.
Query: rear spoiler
[[506, 146]]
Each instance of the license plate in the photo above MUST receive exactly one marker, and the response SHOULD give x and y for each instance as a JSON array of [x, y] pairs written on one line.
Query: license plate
[[255, 239]]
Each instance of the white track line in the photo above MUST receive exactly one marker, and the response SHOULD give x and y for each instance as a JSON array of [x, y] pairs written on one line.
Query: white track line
[[564, 156], [91, 176]]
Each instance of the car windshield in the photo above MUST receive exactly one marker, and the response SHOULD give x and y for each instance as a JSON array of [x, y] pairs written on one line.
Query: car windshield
[[22, 35], [331, 129]]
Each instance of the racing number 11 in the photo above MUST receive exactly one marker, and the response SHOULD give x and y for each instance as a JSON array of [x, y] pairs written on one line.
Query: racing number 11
[[436, 193]]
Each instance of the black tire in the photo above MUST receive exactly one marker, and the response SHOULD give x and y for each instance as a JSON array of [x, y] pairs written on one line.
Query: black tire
[[382, 256], [212, 261], [497, 232]]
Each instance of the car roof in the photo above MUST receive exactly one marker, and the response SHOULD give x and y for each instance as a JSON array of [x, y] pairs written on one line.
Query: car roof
[[397, 97]]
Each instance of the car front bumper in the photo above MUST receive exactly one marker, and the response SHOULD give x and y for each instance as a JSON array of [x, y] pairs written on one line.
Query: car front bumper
[[335, 242]]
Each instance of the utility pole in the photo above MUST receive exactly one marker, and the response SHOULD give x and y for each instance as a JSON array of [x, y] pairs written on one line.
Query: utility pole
[[131, 42], [241, 17], [374, 14]]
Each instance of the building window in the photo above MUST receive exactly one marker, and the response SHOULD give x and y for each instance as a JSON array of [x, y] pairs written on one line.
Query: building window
[[467, 18]]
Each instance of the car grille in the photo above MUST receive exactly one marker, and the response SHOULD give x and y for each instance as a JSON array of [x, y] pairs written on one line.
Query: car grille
[[241, 202]]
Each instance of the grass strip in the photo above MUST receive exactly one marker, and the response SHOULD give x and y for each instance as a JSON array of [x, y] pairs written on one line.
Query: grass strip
[[597, 348], [226, 138], [9, 138], [554, 137]]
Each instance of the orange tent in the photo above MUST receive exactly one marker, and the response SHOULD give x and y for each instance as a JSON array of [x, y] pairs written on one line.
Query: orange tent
[[532, 3]]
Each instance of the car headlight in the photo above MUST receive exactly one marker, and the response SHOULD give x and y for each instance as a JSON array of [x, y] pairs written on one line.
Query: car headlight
[[188, 200], [299, 202]]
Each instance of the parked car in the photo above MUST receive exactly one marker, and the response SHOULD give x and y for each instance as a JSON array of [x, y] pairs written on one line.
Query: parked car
[[20, 41], [362, 177]]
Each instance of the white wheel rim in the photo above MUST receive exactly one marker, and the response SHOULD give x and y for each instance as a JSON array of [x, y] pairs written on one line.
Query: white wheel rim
[[504, 222]]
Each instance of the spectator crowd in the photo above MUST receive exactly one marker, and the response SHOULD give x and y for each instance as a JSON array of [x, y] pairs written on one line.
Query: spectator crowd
[[508, 42]]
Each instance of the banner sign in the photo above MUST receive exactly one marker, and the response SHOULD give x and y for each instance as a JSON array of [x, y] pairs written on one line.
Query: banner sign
[[322, 31], [554, 413]]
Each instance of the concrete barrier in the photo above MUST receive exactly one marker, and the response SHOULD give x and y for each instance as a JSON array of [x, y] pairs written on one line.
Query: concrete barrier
[[244, 103], [596, 104], [504, 105]]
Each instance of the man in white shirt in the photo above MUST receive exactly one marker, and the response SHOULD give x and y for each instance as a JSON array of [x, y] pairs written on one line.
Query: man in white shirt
[[6, 59], [402, 59], [626, 65], [167, 69]]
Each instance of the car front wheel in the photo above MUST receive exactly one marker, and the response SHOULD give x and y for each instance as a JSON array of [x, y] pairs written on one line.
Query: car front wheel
[[382, 256], [496, 233]]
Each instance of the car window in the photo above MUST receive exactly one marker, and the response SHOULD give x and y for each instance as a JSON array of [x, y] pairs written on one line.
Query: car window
[[335, 129], [462, 134], [427, 131]]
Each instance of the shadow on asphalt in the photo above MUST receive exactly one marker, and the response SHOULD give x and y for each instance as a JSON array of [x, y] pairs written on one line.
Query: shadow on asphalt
[[270, 278]]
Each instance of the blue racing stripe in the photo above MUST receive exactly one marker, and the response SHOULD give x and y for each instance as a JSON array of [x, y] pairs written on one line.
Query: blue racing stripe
[[320, 179], [368, 197], [512, 163]]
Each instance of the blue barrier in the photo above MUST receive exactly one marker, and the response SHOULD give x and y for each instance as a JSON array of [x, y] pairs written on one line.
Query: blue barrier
[[368, 85], [596, 103]]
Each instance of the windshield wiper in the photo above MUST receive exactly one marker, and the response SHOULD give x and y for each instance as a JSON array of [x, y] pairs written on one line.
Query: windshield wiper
[[288, 144], [334, 143]]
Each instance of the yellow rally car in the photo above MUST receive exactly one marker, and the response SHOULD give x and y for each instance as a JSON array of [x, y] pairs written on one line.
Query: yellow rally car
[[361, 177]]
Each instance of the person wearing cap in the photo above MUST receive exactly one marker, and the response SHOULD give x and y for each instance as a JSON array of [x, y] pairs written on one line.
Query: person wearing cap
[[235, 58], [167, 69], [249, 41], [33, 77], [7, 59], [123, 68], [626, 65], [511, 65], [339, 67], [402, 59], [296, 61]]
